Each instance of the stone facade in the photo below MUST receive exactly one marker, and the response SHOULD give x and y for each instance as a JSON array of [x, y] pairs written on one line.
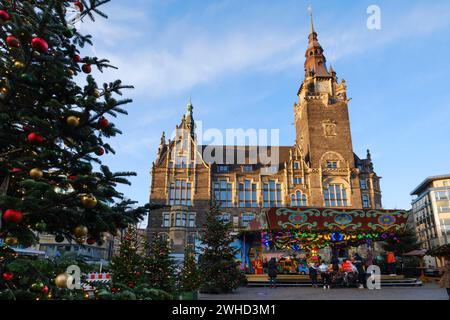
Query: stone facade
[[320, 170]]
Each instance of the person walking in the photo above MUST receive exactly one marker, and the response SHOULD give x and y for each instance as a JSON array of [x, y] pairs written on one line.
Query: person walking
[[324, 274], [445, 279], [358, 262], [313, 274], [273, 272]]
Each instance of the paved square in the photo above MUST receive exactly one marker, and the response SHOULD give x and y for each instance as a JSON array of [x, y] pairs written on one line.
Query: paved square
[[426, 292]]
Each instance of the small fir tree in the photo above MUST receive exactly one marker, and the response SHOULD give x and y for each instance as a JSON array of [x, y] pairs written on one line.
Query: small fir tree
[[127, 267], [159, 266], [190, 274], [218, 267]]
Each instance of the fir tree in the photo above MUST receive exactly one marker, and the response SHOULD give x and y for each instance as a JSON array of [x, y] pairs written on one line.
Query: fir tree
[[159, 266], [54, 128], [218, 266], [404, 243], [127, 267], [190, 274]]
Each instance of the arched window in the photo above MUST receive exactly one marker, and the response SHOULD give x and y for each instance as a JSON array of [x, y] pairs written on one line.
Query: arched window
[[335, 195], [298, 199]]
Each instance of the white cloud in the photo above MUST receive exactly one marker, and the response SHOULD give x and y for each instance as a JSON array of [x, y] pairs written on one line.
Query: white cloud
[[179, 55]]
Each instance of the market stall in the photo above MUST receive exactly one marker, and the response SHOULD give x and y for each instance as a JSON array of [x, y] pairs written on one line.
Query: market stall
[[297, 236]]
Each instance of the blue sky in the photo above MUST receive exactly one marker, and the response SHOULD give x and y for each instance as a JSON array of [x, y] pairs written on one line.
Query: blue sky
[[242, 63]]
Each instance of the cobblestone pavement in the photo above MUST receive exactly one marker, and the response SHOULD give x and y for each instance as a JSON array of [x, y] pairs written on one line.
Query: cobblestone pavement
[[426, 292]]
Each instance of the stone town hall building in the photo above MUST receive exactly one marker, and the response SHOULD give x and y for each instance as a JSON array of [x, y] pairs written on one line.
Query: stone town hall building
[[320, 170]]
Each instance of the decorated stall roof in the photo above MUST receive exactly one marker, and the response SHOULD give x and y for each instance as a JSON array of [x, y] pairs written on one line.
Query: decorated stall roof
[[348, 220], [308, 228]]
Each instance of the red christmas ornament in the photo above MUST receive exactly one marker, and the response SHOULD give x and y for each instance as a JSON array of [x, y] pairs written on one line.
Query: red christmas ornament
[[12, 216], [35, 138], [76, 58], [72, 177], [86, 68], [90, 241], [8, 276], [79, 5], [39, 45], [103, 122], [100, 151], [114, 290], [4, 16], [12, 42], [45, 290], [15, 170]]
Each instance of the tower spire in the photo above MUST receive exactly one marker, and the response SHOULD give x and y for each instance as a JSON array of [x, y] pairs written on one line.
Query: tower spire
[[315, 63], [310, 10]]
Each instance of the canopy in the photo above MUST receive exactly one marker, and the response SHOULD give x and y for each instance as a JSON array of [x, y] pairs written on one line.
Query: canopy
[[344, 220]]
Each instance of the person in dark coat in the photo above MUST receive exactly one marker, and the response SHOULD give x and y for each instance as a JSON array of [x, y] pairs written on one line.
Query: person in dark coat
[[313, 274], [358, 262], [272, 266]]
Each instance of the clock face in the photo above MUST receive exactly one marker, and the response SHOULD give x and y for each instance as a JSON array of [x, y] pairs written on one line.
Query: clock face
[[322, 86]]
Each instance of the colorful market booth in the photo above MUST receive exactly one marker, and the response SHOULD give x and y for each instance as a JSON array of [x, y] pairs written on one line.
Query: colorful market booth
[[297, 236]]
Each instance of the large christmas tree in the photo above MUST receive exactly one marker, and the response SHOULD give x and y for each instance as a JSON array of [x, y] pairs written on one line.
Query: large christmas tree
[[218, 266], [54, 128]]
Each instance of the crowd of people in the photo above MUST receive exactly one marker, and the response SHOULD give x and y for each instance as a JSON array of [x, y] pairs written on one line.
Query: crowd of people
[[350, 273]]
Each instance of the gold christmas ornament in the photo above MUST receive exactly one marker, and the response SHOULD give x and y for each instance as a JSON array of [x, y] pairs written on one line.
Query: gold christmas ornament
[[88, 201], [96, 93], [73, 121], [70, 72], [11, 241], [19, 65], [79, 240], [80, 231], [4, 90], [36, 173], [61, 280]]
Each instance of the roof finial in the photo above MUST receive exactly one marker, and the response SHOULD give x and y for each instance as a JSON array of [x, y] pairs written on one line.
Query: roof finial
[[310, 10]]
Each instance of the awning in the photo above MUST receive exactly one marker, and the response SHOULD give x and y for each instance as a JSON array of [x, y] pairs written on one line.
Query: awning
[[343, 220]]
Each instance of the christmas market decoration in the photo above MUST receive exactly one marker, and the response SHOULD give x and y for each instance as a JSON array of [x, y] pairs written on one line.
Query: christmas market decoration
[[103, 122], [80, 232], [35, 138], [61, 280], [100, 151], [12, 42], [40, 45], [8, 276], [12, 216], [76, 58], [4, 16], [73, 121], [88, 201], [86, 68], [11, 241], [36, 173]]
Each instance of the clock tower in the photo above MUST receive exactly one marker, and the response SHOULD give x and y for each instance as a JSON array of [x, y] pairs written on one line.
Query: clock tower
[[322, 122]]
